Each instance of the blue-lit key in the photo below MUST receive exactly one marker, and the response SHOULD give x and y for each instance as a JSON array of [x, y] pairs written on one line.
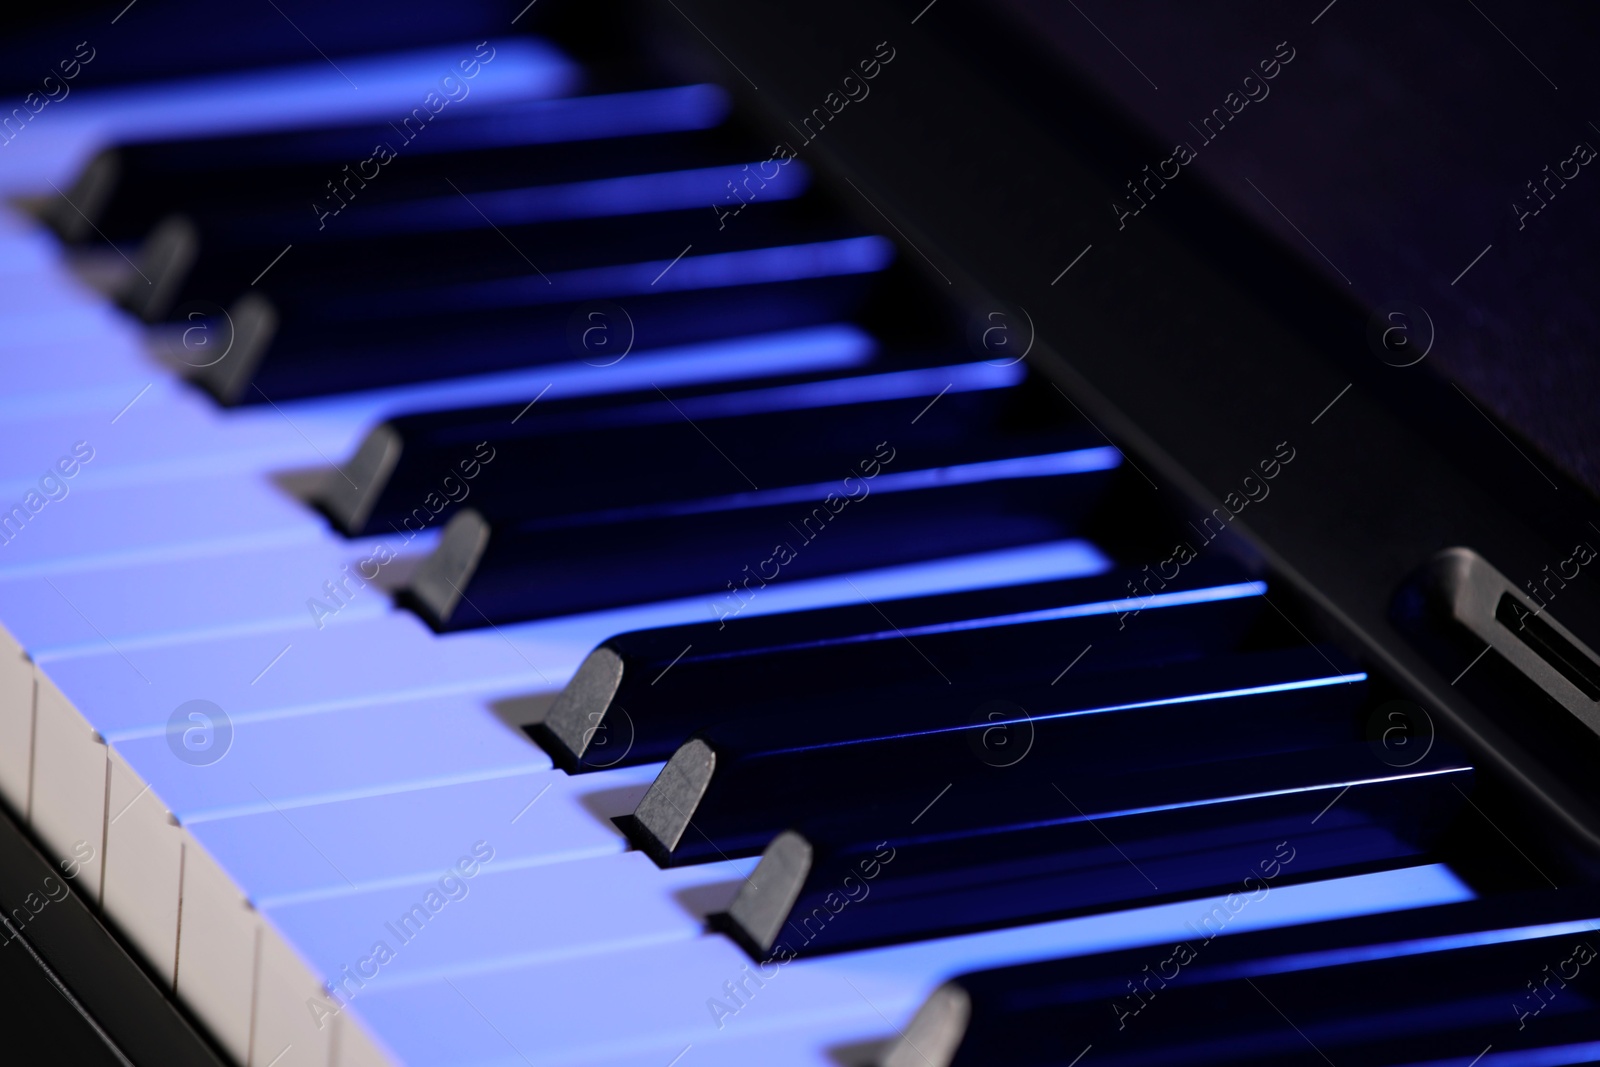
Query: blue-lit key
[[1504, 980], [468, 190], [995, 852], [614, 209], [154, 522], [638, 696], [125, 191], [77, 610], [537, 568], [317, 343], [592, 455], [738, 782]]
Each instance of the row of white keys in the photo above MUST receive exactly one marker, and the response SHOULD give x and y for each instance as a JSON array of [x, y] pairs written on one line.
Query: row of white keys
[[376, 697], [67, 353], [644, 1005]]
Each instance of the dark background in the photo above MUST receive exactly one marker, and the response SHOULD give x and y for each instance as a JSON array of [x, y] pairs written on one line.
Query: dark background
[[1396, 141]]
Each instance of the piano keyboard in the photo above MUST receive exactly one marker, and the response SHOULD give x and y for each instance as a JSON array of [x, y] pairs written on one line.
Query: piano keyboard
[[528, 608]]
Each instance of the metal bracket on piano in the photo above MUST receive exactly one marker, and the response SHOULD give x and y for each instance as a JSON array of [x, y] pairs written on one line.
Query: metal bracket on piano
[[1519, 628]]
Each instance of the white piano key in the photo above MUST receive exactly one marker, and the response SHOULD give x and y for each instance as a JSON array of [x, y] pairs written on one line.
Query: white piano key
[[32, 325], [480, 1046], [276, 769], [289, 763], [34, 275], [175, 434], [29, 251], [142, 871], [309, 94], [283, 1033], [652, 1001], [222, 933], [299, 671], [31, 295], [219, 949], [127, 524], [16, 719], [109, 372], [69, 758], [469, 913], [356, 1045], [206, 593], [68, 778], [296, 855], [69, 767], [163, 886]]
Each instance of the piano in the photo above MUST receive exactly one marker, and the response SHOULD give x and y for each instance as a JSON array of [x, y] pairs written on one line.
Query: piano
[[713, 533]]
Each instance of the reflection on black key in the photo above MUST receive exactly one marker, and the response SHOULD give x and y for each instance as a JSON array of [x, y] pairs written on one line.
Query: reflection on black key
[[728, 790], [593, 454], [659, 686], [482, 575], [607, 179], [427, 244], [193, 38], [1003, 854], [331, 343], [125, 191], [1507, 980]]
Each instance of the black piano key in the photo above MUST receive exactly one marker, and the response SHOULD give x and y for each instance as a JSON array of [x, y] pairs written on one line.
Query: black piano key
[[1507, 980], [442, 242], [656, 687], [592, 454], [703, 172], [278, 359], [735, 784], [405, 459], [189, 38], [1004, 854], [529, 569], [422, 334], [126, 190]]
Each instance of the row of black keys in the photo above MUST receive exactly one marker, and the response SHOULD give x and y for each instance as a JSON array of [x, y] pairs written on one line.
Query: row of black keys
[[1507, 981], [948, 783], [1014, 754], [572, 503], [584, 500], [472, 250]]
